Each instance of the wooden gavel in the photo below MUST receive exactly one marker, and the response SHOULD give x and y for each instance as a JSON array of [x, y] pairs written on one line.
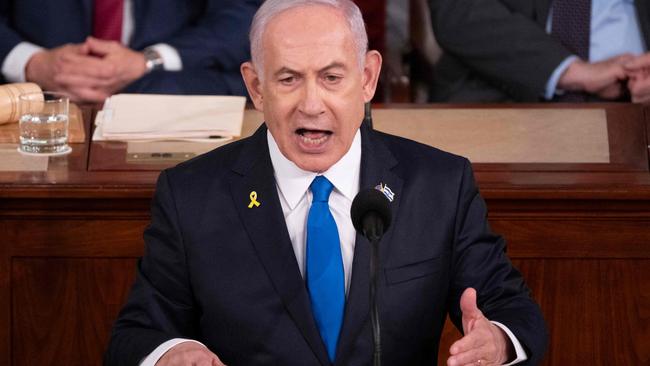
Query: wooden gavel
[[9, 100]]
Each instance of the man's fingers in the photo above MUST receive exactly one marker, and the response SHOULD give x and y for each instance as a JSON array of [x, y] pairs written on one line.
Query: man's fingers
[[612, 91], [101, 47], [81, 81], [466, 358], [468, 342], [469, 309], [475, 346], [624, 58], [468, 303], [639, 89], [85, 65], [638, 62], [641, 98], [88, 95]]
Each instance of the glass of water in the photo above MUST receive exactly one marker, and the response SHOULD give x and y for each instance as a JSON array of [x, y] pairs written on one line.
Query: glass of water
[[44, 123]]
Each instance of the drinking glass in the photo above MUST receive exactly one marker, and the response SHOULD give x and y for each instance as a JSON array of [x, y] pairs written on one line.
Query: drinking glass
[[44, 123]]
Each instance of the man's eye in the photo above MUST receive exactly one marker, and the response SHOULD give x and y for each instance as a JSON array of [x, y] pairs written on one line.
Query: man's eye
[[288, 80], [333, 78]]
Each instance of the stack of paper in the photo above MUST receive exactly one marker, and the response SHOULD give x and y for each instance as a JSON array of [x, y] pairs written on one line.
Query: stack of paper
[[137, 117]]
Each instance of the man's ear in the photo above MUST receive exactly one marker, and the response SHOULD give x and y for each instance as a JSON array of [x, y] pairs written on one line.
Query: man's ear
[[371, 70], [253, 84]]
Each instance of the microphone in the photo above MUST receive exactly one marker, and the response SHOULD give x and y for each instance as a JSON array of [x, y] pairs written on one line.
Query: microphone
[[371, 217], [371, 214]]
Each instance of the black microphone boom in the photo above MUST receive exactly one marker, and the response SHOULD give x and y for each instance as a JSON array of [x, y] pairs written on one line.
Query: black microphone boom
[[371, 217]]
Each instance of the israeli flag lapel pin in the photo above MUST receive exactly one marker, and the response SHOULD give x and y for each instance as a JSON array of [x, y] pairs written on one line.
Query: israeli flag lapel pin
[[383, 188]]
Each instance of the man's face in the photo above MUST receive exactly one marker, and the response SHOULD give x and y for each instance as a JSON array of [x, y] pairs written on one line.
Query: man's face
[[313, 90]]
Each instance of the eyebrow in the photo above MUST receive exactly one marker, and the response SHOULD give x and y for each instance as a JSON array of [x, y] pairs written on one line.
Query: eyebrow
[[286, 70], [333, 65]]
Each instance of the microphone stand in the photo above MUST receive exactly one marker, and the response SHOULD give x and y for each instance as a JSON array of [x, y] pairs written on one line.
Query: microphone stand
[[367, 115], [374, 311], [375, 237]]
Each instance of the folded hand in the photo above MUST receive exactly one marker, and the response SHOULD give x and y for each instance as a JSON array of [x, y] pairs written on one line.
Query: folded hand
[[638, 71], [89, 72]]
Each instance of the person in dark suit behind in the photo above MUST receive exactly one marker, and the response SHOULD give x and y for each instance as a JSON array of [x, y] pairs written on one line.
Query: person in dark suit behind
[[509, 50], [94, 48], [229, 259]]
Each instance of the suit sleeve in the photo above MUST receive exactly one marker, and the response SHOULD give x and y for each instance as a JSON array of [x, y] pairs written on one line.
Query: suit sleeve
[[160, 306], [10, 38], [219, 39], [480, 261], [498, 43]]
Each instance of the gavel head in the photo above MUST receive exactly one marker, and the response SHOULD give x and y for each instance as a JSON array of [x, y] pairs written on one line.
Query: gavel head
[[10, 108]]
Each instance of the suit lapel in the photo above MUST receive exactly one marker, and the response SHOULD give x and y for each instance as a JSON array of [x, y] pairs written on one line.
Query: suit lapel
[[139, 12], [376, 164], [87, 6], [267, 229]]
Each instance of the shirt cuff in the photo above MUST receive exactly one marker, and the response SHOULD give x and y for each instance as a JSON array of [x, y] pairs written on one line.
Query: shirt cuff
[[519, 350], [551, 84], [171, 58], [154, 356], [13, 67]]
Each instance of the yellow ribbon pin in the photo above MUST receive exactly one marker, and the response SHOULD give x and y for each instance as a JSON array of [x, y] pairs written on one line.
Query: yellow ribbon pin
[[254, 202]]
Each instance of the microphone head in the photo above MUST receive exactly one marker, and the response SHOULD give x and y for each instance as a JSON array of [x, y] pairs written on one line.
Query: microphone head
[[370, 201]]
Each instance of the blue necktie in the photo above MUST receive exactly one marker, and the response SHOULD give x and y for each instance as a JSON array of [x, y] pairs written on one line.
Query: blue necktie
[[325, 279]]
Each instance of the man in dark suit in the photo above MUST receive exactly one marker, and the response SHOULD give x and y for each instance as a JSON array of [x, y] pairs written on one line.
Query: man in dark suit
[[506, 50], [229, 252], [94, 48]]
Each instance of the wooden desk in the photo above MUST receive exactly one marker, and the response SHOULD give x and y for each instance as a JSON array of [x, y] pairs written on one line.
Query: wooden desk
[[579, 233]]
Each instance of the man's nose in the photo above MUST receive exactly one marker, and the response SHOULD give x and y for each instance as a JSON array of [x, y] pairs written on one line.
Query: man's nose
[[311, 103]]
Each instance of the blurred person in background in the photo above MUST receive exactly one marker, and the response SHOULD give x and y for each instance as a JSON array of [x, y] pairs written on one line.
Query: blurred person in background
[[535, 50], [92, 49]]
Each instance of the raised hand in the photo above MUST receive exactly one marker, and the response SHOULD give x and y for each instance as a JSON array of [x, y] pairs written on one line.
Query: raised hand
[[483, 343]]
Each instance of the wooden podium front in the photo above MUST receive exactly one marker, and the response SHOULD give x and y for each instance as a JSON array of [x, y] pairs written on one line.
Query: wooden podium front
[[568, 188]]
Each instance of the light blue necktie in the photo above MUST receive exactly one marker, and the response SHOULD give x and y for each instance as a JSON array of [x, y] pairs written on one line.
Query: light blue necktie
[[325, 278]]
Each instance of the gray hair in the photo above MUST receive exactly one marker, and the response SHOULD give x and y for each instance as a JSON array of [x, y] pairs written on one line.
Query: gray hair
[[271, 8]]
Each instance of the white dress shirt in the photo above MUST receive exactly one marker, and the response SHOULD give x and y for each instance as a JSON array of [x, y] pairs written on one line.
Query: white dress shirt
[[295, 197], [13, 66], [293, 184]]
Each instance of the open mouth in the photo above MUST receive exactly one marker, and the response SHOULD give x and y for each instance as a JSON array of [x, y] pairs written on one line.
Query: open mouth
[[313, 137]]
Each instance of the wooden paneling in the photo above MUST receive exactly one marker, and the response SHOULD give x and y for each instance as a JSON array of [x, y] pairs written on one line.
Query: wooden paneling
[[63, 309], [76, 238], [575, 237], [599, 310], [5, 297]]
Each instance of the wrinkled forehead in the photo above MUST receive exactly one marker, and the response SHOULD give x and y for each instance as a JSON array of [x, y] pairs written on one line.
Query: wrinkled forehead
[[307, 33], [309, 16]]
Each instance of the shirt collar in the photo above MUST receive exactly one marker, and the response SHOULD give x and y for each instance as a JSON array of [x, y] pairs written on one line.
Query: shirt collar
[[294, 182]]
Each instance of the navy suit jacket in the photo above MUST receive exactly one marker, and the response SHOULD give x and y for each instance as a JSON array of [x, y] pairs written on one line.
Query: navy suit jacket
[[225, 274], [211, 37]]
